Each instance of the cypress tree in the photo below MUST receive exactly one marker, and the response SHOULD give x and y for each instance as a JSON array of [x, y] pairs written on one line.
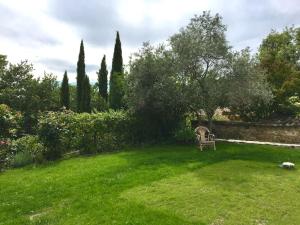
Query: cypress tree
[[116, 81], [86, 95], [102, 80], [80, 77], [117, 62], [64, 92]]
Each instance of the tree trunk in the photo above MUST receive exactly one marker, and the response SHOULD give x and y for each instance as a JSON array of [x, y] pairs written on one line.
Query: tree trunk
[[209, 119], [210, 123]]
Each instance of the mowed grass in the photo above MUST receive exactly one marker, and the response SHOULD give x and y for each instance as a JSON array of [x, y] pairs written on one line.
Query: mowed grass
[[237, 184]]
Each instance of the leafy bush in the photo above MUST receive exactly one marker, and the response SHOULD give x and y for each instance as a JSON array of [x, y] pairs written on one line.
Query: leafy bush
[[4, 154], [26, 150], [154, 94], [99, 132], [98, 103], [89, 133], [109, 142], [22, 159], [185, 134], [294, 103], [51, 131], [10, 122]]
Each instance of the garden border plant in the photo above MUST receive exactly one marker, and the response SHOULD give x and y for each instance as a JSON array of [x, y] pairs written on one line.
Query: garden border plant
[[88, 133]]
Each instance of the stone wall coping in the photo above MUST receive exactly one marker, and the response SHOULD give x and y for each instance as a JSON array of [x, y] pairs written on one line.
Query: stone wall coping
[[260, 142], [258, 124]]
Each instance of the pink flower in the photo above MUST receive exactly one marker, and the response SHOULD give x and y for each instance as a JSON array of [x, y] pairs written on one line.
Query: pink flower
[[4, 142]]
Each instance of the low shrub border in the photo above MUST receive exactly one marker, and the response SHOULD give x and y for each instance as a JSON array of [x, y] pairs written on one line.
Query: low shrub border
[[63, 132]]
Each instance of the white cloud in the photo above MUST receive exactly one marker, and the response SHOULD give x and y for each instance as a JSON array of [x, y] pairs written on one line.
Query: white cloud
[[48, 32]]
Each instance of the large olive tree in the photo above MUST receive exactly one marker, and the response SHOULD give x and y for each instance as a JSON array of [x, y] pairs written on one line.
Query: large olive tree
[[153, 93], [201, 52]]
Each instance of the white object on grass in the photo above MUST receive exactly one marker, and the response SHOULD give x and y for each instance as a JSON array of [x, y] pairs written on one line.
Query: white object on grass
[[287, 165]]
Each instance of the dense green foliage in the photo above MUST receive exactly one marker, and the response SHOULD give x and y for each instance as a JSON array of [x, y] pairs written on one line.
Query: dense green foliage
[[215, 77], [21, 159], [98, 104], [116, 82], [5, 154], [185, 133], [117, 61], [22, 92], [83, 88], [10, 122], [48, 92], [3, 63], [249, 95], [64, 92], [62, 132], [80, 78], [201, 52], [153, 95], [26, 150], [20, 152], [17, 86], [50, 133], [196, 73], [279, 56], [102, 80], [86, 95], [116, 93], [169, 185]]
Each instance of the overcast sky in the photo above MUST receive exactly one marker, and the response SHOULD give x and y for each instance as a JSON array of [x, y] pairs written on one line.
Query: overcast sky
[[48, 32]]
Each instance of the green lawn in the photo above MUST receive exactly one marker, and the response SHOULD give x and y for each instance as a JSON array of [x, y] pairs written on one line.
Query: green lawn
[[237, 184]]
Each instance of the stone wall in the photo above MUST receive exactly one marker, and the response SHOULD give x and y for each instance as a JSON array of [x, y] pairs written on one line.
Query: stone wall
[[255, 131]]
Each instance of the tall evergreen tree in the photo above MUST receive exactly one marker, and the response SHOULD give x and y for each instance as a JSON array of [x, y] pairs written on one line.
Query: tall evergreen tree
[[86, 95], [102, 80], [80, 77], [64, 92], [117, 62], [116, 87]]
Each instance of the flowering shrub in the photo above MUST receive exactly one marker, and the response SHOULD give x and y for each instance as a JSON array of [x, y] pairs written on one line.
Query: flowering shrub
[[5, 154], [10, 122], [294, 102], [26, 150], [53, 132]]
